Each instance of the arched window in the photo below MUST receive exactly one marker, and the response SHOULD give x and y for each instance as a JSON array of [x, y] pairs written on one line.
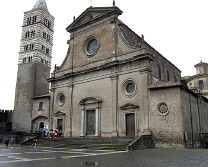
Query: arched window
[[40, 106], [201, 85], [168, 76], [159, 72], [175, 79]]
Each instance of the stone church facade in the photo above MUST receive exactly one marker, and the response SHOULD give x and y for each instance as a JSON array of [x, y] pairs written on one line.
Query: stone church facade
[[112, 83]]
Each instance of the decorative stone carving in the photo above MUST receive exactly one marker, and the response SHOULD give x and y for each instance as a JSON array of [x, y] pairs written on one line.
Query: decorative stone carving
[[163, 108], [129, 106], [59, 113]]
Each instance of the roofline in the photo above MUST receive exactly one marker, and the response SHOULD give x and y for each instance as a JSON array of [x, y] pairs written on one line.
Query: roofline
[[182, 87], [70, 27], [42, 96], [152, 47]]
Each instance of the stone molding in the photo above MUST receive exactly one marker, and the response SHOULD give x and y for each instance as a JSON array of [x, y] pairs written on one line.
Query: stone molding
[[129, 106]]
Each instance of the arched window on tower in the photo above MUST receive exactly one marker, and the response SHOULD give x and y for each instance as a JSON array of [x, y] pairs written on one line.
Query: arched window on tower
[[24, 60], [159, 72], [168, 76], [201, 85], [28, 20], [34, 19], [40, 106]]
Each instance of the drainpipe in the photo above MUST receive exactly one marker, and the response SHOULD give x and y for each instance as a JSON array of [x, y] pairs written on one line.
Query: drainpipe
[[192, 134]]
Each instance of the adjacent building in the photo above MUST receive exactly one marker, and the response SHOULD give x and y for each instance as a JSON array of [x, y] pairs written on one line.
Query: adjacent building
[[199, 82]]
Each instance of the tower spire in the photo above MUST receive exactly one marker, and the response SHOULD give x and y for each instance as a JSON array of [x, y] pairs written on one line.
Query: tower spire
[[114, 3], [40, 4]]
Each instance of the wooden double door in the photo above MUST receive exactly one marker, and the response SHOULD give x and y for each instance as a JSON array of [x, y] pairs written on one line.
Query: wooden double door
[[90, 122], [130, 124]]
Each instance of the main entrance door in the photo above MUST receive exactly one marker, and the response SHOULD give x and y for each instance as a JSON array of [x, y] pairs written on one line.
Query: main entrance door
[[90, 123], [130, 125]]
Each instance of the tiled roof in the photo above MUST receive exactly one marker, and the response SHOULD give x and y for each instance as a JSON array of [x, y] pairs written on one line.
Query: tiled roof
[[40, 4], [164, 84]]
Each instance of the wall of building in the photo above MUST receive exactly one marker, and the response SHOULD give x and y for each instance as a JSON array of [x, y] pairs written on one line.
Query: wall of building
[[167, 129], [39, 115], [108, 86], [186, 119]]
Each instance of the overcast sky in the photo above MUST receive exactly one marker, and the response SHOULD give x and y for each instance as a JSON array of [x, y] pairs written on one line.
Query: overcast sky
[[178, 29]]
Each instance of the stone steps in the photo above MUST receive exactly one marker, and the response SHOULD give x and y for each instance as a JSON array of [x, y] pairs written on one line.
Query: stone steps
[[99, 143]]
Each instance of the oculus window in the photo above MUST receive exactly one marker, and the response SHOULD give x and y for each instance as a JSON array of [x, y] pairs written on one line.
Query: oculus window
[[129, 88], [91, 46]]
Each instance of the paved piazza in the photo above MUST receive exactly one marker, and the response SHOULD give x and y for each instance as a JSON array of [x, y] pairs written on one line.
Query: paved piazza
[[50, 157]]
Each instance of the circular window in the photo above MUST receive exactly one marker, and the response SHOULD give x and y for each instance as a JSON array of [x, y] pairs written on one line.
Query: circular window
[[91, 46], [163, 108], [61, 99], [129, 88]]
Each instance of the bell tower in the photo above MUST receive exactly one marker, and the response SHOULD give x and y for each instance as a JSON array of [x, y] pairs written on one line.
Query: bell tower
[[34, 63]]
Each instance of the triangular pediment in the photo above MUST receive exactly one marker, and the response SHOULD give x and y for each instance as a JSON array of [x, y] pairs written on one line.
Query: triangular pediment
[[93, 14]]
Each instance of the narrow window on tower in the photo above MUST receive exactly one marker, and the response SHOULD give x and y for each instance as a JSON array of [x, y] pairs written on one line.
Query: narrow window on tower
[[42, 47], [159, 72], [29, 21], [47, 51], [44, 35], [49, 24], [40, 106], [175, 79], [48, 37], [33, 33], [201, 85], [24, 60], [168, 76], [34, 19]]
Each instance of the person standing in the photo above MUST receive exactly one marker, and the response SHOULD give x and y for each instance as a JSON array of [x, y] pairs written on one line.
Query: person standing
[[12, 142], [6, 141], [35, 142]]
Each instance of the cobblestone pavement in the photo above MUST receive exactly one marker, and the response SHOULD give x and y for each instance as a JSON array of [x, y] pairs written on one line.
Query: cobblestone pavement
[[51, 157]]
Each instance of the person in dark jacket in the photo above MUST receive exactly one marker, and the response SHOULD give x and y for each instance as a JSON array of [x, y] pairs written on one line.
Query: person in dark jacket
[[6, 140]]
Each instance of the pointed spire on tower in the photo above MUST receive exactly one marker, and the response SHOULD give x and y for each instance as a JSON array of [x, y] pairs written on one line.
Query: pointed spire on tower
[[40, 4], [114, 3]]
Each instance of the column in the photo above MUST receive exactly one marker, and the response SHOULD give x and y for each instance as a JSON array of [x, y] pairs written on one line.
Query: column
[[83, 123], [97, 122], [114, 82]]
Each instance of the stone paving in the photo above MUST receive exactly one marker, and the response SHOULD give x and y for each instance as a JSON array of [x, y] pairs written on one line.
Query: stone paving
[[63, 157]]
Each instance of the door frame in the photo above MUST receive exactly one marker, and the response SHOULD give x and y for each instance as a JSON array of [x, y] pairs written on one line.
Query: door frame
[[126, 114], [90, 103], [130, 109], [94, 110]]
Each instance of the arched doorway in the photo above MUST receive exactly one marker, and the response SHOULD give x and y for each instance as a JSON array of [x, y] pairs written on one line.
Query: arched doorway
[[41, 126]]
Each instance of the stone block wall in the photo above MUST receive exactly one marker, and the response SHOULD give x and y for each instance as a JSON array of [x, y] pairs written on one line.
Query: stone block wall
[[166, 126]]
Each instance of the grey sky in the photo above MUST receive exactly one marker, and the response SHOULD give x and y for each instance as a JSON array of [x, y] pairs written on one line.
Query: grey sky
[[176, 28]]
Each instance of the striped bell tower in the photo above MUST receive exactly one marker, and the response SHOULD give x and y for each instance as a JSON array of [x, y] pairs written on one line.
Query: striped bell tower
[[34, 63]]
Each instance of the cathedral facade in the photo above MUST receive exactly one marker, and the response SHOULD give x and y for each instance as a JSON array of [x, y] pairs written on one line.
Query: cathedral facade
[[112, 83]]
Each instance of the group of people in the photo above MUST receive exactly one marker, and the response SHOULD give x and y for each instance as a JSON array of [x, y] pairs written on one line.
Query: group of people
[[52, 133], [8, 140]]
